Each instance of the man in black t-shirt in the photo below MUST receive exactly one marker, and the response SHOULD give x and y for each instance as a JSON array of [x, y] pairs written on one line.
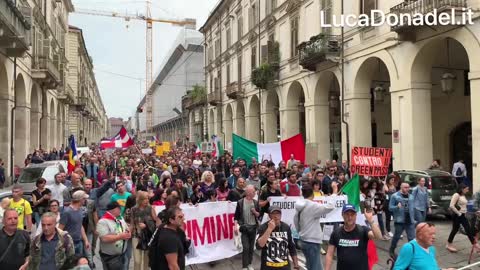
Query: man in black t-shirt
[[351, 240], [171, 251], [14, 243], [276, 242]]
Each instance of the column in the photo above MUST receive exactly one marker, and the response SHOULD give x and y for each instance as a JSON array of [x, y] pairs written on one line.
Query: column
[[318, 132], [45, 132], [228, 130], [475, 112], [53, 133], [60, 128], [359, 120], [239, 126], [5, 134], [289, 122], [252, 132], [34, 130], [22, 134], [269, 126], [412, 117]]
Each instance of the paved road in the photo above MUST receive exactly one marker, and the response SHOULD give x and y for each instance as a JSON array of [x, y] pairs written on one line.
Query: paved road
[[445, 258]]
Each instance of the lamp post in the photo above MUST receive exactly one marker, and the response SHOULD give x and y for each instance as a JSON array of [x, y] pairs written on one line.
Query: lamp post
[[447, 82]]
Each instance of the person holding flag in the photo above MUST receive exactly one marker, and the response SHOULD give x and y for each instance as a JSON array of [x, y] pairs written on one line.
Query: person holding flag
[[72, 153]]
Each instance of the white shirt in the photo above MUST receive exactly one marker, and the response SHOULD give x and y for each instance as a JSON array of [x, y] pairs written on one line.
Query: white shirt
[[57, 192], [462, 167]]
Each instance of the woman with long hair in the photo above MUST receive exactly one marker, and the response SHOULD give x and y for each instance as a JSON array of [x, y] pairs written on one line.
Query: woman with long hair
[[421, 198], [222, 189], [379, 205], [197, 196], [458, 206], [159, 197], [389, 189], [207, 182], [143, 223], [40, 197]]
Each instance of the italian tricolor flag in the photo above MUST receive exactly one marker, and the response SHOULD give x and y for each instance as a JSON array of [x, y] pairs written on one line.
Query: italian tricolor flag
[[275, 152]]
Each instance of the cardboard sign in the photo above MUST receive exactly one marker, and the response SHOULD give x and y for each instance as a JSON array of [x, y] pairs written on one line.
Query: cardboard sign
[[370, 161]]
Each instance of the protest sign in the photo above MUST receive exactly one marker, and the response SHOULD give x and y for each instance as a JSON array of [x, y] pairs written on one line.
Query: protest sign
[[159, 150], [147, 151], [166, 146], [210, 227], [370, 161]]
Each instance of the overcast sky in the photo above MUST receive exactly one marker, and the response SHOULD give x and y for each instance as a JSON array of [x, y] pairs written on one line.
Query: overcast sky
[[117, 46]]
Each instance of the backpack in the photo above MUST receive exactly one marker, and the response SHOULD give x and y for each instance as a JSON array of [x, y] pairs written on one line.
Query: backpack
[[287, 187], [152, 248], [459, 172]]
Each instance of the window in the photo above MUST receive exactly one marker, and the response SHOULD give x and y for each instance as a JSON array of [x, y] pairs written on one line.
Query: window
[[210, 54], [294, 37], [219, 79], [217, 47], [212, 87], [327, 11], [228, 72], [239, 71], [367, 5], [254, 57], [270, 6], [229, 36], [252, 16], [239, 27]]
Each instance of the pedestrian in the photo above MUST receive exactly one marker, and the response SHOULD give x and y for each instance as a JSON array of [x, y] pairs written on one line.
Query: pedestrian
[[402, 206], [222, 189], [181, 190], [276, 242], [92, 170], [291, 188], [113, 233], [2, 174], [4, 203], [52, 247], [14, 243], [90, 219], [71, 220], [23, 208], [143, 220], [238, 192], [459, 171], [169, 246], [458, 206], [53, 207], [121, 196], [253, 179], [307, 220], [40, 197], [247, 213], [350, 241], [421, 199], [270, 191], [378, 207], [389, 189], [419, 254], [232, 180]]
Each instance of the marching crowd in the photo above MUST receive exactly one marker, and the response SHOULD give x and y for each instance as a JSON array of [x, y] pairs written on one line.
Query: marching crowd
[[109, 200]]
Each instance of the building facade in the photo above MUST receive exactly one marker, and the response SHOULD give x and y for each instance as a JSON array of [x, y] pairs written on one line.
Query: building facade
[[413, 89], [87, 118], [115, 124], [34, 91]]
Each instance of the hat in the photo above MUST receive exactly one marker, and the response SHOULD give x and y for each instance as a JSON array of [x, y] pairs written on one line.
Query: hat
[[78, 195], [274, 208], [348, 207], [112, 205]]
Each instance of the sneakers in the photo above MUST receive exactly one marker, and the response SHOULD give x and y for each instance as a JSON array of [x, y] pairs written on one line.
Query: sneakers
[[451, 248], [322, 251], [386, 237], [390, 234], [250, 267]]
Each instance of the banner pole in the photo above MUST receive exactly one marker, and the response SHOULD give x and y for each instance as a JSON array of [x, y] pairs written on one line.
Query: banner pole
[[468, 266]]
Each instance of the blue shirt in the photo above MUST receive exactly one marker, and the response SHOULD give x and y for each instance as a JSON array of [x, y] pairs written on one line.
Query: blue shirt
[[48, 253], [413, 257]]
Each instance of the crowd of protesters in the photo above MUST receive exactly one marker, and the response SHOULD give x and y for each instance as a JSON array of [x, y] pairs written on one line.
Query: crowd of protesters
[[109, 200]]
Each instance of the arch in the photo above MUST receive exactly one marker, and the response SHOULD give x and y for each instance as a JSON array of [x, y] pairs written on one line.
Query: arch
[[20, 91], [228, 125], [240, 118], [53, 124], [60, 123], [35, 116], [295, 94], [22, 121], [271, 117], [4, 82], [293, 119], [211, 122], [324, 84], [372, 68], [253, 119]]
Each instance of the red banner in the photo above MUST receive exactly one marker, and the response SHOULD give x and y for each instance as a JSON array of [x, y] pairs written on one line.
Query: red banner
[[370, 161]]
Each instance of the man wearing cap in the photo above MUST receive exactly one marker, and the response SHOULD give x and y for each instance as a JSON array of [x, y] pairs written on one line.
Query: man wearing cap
[[276, 242], [71, 221], [113, 233], [350, 241]]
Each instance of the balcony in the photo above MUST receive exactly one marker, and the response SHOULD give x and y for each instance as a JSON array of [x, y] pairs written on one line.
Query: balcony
[[67, 95], [234, 90], [423, 7], [46, 72], [214, 98], [15, 21], [186, 102], [318, 49], [81, 104]]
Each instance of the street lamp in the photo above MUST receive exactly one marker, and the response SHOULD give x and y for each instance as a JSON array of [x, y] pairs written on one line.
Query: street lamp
[[378, 93], [447, 82], [334, 102]]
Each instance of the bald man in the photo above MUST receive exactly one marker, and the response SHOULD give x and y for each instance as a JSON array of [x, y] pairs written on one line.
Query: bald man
[[419, 254]]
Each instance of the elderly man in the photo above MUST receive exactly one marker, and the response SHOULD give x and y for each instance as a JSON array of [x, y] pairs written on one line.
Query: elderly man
[[419, 254], [52, 248], [350, 241], [246, 216], [238, 192], [14, 243]]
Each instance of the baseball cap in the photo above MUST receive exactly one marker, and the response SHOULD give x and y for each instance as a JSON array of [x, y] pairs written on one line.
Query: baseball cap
[[348, 207], [78, 195], [112, 205], [274, 208]]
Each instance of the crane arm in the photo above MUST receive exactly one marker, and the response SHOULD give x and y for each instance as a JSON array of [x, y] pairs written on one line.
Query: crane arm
[[128, 17]]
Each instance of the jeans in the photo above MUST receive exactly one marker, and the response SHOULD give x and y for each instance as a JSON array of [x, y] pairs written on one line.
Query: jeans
[[380, 223], [399, 228], [248, 243], [420, 216], [312, 255], [388, 217], [89, 253], [457, 220], [78, 248], [36, 218], [128, 254]]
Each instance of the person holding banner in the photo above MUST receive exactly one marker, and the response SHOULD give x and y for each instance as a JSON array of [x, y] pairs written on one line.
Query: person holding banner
[[246, 216], [350, 241], [307, 219], [276, 242]]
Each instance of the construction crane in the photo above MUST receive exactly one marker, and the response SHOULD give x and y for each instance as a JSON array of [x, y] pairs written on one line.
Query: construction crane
[[190, 23]]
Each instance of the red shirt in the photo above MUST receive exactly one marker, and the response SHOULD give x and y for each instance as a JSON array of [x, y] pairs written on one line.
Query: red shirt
[[293, 189]]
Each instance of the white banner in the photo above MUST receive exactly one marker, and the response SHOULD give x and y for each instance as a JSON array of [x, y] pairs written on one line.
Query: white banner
[[210, 227]]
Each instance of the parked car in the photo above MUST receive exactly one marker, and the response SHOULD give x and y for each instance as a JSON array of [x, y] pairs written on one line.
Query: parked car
[[46, 170], [441, 186]]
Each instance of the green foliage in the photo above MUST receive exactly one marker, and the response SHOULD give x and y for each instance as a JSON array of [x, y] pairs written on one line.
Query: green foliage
[[198, 93], [263, 75]]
